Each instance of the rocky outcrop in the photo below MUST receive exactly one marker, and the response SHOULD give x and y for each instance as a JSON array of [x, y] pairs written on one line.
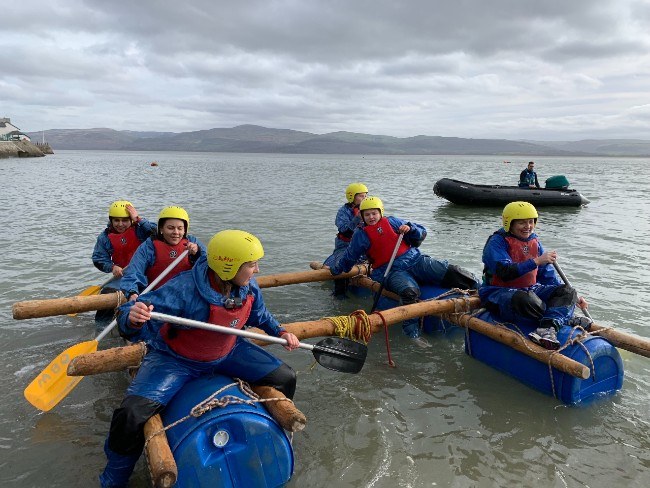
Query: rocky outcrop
[[22, 149]]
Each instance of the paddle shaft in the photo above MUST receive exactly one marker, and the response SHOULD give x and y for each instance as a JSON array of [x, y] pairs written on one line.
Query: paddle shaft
[[109, 280], [163, 317], [568, 283], [150, 287], [388, 267]]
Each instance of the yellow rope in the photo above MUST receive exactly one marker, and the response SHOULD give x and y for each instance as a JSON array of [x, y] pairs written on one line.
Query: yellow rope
[[356, 326]]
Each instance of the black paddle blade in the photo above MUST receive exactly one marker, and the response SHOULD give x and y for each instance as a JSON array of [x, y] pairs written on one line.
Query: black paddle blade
[[339, 354]]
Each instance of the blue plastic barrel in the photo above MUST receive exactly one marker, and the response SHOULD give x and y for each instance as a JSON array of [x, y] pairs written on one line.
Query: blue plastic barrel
[[606, 376], [235, 446]]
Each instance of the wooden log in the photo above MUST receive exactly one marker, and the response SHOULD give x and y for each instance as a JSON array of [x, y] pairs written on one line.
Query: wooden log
[[160, 459], [92, 363], [521, 344], [281, 279], [623, 340], [31, 309], [284, 412], [324, 328], [374, 286], [107, 360]]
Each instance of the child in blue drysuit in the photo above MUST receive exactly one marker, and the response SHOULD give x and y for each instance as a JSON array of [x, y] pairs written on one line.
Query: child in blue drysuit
[[378, 238], [520, 281]]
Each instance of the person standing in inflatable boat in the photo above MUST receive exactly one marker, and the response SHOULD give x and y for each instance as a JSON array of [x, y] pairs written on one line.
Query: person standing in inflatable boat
[[117, 243], [348, 219], [219, 289], [377, 239], [156, 253], [519, 281]]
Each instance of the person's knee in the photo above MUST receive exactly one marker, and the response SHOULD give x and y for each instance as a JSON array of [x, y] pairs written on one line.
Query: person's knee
[[126, 436], [283, 379], [457, 277], [527, 304], [562, 296], [409, 295]]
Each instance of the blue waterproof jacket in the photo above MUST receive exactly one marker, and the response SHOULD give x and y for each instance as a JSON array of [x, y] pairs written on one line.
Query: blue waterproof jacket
[[104, 249], [361, 243], [346, 222], [135, 275], [189, 295], [498, 262]]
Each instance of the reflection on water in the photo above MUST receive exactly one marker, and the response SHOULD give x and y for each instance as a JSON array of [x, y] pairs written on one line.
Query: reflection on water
[[440, 418]]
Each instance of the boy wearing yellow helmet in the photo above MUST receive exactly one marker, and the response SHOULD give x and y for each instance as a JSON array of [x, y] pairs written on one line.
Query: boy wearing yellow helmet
[[219, 289], [117, 243], [378, 239], [347, 221], [519, 280], [155, 254]]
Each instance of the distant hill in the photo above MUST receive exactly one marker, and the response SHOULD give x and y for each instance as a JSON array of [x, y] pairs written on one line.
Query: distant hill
[[256, 139]]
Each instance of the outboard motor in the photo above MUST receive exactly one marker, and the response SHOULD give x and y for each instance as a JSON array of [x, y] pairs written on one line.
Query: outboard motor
[[558, 182]]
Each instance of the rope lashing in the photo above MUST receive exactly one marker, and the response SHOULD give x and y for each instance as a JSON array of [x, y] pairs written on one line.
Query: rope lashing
[[391, 363], [355, 326], [213, 401]]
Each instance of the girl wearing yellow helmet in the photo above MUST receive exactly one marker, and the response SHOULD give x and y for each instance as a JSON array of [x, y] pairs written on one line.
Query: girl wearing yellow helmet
[[155, 254], [347, 221], [519, 280], [219, 289], [378, 239], [117, 243]]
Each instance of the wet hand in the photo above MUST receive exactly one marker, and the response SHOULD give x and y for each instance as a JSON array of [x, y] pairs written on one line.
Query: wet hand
[[117, 271], [133, 213], [292, 341], [193, 248], [403, 229], [582, 303], [140, 313], [549, 257]]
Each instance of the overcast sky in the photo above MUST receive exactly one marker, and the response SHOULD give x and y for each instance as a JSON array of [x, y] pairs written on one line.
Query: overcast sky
[[518, 69]]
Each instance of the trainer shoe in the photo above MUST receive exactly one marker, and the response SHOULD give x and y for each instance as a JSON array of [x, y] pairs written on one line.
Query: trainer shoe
[[584, 322], [545, 337]]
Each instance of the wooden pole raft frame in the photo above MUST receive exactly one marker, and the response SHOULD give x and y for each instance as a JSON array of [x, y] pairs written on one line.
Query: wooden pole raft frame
[[31, 309]]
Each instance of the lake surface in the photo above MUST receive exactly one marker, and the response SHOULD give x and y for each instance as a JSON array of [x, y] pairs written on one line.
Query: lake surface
[[440, 418]]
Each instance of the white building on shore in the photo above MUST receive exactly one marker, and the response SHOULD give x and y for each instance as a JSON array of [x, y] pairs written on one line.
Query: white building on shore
[[9, 132]]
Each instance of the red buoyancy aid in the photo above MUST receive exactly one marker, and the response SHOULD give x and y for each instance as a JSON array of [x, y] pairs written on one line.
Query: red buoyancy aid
[[206, 345], [382, 242], [124, 246], [165, 255], [520, 251]]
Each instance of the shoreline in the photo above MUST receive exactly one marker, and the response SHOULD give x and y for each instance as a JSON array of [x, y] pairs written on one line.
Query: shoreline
[[23, 149]]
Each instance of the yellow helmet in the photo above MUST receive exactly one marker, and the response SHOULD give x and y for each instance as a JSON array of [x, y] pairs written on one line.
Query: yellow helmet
[[518, 210], [118, 209], [353, 189], [174, 212], [372, 202], [229, 249]]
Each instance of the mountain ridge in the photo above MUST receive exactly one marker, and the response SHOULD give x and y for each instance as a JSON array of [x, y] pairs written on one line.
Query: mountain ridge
[[257, 139]]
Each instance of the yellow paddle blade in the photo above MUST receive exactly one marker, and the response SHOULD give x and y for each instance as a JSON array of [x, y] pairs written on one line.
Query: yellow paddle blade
[[91, 290], [54, 384]]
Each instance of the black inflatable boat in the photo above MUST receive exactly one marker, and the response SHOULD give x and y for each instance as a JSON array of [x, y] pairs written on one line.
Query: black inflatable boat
[[464, 193]]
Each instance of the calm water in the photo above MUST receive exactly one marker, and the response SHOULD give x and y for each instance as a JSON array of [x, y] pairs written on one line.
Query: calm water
[[440, 418]]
